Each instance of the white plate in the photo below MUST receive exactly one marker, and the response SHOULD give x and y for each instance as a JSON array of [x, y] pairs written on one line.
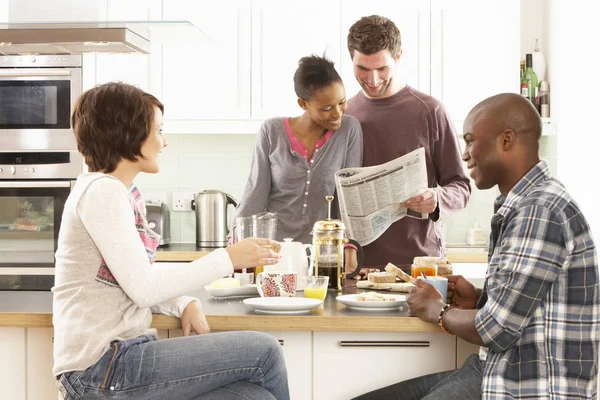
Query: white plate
[[282, 305], [245, 290], [350, 301]]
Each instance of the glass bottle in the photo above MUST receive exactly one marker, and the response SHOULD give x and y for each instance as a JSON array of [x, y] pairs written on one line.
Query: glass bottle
[[532, 81]]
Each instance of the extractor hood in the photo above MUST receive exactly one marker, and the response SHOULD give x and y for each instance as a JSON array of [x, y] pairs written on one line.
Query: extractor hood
[[85, 37], [72, 38]]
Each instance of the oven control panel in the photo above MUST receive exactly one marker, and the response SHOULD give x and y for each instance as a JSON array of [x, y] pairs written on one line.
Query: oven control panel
[[33, 61], [40, 165]]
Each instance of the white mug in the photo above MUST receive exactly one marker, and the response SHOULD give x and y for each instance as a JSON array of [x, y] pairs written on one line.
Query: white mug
[[440, 283]]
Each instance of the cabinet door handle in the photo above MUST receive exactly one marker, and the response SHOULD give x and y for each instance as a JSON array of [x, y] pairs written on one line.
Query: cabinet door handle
[[384, 343], [281, 342]]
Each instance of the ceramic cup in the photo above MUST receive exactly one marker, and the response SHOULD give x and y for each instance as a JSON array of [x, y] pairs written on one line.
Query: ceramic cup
[[276, 284], [440, 283]]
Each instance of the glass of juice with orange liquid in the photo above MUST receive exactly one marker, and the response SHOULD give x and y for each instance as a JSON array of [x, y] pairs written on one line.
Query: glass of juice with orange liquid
[[315, 287]]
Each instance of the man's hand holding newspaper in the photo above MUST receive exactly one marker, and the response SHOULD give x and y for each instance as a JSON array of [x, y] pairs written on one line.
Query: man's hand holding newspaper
[[372, 198]]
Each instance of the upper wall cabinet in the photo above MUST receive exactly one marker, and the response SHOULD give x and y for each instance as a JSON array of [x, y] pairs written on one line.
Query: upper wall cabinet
[[282, 33], [130, 68], [412, 19], [474, 50], [208, 79]]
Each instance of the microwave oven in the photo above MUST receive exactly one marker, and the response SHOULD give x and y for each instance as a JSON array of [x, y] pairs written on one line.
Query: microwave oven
[[37, 96]]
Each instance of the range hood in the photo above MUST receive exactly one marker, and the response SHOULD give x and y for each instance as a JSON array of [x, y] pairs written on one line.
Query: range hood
[[85, 37]]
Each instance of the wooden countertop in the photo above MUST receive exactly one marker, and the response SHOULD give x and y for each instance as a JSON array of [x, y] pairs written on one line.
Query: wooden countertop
[[185, 252], [34, 310]]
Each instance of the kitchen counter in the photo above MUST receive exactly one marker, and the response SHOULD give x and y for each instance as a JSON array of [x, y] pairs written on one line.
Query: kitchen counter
[[34, 309], [185, 252]]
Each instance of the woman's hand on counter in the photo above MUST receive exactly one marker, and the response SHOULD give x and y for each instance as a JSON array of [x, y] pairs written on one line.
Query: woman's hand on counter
[[253, 252], [193, 318]]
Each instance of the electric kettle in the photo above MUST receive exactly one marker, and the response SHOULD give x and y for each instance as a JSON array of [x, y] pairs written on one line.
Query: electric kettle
[[212, 222]]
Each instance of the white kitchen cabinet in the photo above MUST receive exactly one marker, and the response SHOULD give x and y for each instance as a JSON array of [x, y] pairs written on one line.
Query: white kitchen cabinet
[[208, 79], [12, 363], [40, 381], [377, 359], [475, 51], [57, 10], [129, 68], [282, 33], [412, 19], [297, 350]]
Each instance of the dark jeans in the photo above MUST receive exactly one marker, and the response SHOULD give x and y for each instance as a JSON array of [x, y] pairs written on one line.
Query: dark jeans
[[461, 384]]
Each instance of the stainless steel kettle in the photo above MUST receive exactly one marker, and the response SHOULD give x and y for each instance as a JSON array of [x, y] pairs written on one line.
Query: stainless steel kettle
[[212, 224]]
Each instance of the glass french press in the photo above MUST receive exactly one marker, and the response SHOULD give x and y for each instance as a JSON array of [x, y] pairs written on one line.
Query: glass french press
[[329, 238]]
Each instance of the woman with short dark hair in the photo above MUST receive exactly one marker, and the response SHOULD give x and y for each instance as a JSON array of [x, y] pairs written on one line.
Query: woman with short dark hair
[[107, 286], [295, 159]]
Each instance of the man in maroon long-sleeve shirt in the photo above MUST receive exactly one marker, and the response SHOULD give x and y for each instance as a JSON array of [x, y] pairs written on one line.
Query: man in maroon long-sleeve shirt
[[397, 119]]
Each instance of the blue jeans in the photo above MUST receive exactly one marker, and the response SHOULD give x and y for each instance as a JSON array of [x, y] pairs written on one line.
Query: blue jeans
[[228, 365], [461, 384]]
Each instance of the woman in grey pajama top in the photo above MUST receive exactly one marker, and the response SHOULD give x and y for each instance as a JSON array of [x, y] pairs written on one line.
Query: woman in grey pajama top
[[295, 159]]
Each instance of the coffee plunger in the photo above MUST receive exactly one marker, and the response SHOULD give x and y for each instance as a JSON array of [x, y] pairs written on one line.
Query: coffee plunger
[[329, 238]]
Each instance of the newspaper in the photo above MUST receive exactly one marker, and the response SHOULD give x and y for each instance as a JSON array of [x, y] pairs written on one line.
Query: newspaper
[[370, 197]]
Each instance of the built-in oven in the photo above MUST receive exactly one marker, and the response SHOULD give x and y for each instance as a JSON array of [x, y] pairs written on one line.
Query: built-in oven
[[37, 95], [34, 187]]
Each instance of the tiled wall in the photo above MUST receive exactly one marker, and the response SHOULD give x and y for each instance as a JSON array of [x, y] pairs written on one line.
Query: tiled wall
[[192, 163]]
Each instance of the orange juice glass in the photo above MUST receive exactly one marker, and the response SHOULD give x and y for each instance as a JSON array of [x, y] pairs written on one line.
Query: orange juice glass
[[315, 287], [430, 270]]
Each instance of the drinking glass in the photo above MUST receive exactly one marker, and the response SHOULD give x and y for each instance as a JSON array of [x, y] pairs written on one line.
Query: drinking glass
[[261, 225], [315, 287]]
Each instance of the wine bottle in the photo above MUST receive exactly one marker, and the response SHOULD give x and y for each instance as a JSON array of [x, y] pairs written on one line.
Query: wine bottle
[[522, 79], [532, 81]]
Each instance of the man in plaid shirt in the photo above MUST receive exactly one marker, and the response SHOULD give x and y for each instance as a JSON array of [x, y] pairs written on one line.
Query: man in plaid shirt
[[538, 316]]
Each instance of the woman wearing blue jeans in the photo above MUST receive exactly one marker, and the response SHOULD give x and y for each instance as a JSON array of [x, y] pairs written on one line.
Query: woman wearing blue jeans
[[107, 285]]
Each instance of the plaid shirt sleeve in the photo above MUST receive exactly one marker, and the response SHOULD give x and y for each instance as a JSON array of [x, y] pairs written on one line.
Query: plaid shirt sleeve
[[529, 256]]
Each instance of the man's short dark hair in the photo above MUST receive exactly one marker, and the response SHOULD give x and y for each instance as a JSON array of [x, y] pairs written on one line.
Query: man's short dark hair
[[370, 35], [111, 121]]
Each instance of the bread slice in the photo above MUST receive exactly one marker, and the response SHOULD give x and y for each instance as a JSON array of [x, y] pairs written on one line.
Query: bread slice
[[401, 287], [444, 267], [382, 277], [399, 273]]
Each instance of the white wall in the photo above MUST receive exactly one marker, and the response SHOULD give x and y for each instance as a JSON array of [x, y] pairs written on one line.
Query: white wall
[[575, 90]]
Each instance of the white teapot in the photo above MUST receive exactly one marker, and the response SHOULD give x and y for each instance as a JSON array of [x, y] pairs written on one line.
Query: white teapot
[[293, 258]]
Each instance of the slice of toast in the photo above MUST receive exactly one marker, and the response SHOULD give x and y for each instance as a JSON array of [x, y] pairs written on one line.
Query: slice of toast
[[399, 273]]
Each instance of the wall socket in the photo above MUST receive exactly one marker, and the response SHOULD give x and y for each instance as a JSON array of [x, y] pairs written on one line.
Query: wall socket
[[182, 201]]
